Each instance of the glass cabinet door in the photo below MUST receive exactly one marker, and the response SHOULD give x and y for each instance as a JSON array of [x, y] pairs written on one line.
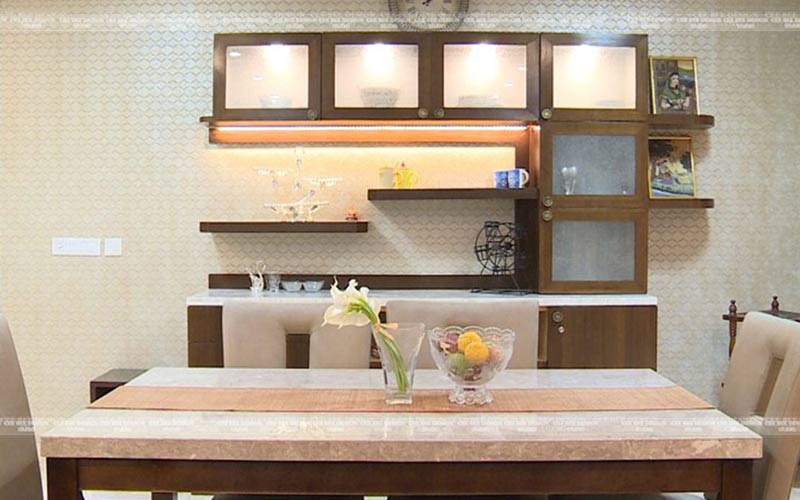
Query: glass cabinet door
[[376, 75], [267, 76], [491, 75], [587, 77], [593, 250], [594, 164]]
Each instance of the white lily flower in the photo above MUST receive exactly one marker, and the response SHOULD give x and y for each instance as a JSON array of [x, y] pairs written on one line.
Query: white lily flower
[[351, 307]]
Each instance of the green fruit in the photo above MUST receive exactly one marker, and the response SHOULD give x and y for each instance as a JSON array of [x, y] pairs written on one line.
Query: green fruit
[[457, 364]]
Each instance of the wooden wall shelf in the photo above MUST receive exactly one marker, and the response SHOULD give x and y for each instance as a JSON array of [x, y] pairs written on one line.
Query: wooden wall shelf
[[529, 193], [367, 131], [681, 122], [682, 203], [284, 227]]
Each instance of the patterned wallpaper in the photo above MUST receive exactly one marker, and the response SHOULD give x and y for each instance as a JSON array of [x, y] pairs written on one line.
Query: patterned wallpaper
[[99, 136]]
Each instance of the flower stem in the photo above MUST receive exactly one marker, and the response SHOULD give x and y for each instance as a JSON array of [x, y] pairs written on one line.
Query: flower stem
[[400, 374]]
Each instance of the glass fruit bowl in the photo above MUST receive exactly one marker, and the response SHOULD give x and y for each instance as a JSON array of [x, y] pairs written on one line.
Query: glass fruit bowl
[[471, 357]]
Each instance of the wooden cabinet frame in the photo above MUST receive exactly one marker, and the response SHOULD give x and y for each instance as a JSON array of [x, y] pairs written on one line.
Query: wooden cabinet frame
[[638, 130], [530, 40], [639, 42], [329, 43], [221, 44], [637, 285]]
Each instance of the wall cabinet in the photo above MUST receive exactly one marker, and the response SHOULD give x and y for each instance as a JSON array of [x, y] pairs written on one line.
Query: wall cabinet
[[376, 76], [600, 337], [594, 77]]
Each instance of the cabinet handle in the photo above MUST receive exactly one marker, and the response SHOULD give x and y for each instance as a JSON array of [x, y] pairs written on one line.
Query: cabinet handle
[[547, 201], [558, 317], [547, 113], [438, 113], [422, 112], [561, 329], [547, 215], [312, 114]]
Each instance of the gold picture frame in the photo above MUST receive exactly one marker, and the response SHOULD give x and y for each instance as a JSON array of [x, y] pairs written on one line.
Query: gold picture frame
[[674, 85], [670, 157]]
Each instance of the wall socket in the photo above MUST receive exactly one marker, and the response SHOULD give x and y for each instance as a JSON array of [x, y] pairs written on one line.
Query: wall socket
[[88, 247], [112, 247]]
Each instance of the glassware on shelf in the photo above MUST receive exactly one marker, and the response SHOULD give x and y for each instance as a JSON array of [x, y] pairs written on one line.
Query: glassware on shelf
[[273, 282], [570, 175], [300, 211], [256, 274], [323, 182], [275, 173]]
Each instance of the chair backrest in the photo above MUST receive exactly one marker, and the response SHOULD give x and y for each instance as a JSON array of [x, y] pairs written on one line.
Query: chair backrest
[[519, 314], [764, 372], [254, 336], [19, 463]]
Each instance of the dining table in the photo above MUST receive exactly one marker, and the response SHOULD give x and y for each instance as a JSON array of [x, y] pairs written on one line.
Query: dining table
[[308, 432]]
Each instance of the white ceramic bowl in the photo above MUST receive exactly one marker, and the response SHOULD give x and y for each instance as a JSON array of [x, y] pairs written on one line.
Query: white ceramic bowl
[[313, 286], [379, 97], [292, 286]]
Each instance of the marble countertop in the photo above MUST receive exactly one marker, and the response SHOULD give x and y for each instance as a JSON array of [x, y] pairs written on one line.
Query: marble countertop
[[409, 437], [218, 297]]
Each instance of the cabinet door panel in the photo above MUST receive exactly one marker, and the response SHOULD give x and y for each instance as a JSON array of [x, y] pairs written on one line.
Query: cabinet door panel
[[269, 76], [376, 75], [602, 337], [594, 77], [594, 164], [485, 75], [593, 251]]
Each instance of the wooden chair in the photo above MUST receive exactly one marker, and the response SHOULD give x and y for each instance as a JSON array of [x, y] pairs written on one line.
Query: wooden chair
[[19, 462], [762, 383], [520, 315], [254, 336]]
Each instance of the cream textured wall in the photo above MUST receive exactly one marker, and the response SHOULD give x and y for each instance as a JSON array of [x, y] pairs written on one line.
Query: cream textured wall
[[99, 137]]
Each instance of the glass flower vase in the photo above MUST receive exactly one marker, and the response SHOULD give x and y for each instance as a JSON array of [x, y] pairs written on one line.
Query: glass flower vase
[[398, 349]]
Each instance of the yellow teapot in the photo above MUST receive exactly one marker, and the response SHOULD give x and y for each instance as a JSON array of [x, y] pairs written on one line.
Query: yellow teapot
[[405, 178]]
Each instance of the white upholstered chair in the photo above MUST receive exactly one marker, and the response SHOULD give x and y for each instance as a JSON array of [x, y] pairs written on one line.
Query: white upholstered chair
[[762, 381], [19, 463], [519, 314], [254, 336]]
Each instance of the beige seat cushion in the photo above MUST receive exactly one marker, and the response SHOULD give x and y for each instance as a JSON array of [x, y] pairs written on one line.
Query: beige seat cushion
[[19, 464], [518, 314], [254, 336]]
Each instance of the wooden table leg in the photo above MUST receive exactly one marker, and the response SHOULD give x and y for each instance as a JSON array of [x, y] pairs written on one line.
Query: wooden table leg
[[163, 496], [737, 480], [62, 479]]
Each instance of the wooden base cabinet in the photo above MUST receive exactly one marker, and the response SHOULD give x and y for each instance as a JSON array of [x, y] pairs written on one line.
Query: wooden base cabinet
[[600, 337]]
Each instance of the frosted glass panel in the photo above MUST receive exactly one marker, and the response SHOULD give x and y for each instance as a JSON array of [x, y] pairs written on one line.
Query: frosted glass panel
[[587, 76], [485, 76], [266, 76], [376, 76], [594, 164], [594, 251]]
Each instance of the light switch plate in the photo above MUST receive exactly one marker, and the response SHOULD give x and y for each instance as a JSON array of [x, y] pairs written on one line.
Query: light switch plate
[[113, 247], [88, 247]]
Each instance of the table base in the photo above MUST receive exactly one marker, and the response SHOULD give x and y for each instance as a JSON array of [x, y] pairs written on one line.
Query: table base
[[67, 477]]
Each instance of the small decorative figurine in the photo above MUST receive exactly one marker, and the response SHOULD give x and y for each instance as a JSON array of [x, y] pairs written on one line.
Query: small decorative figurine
[[351, 213]]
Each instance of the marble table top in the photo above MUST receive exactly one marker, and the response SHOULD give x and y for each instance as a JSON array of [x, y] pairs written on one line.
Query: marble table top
[[404, 437], [218, 297]]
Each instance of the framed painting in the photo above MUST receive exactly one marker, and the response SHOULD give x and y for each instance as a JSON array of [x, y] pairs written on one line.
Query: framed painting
[[673, 85], [671, 173]]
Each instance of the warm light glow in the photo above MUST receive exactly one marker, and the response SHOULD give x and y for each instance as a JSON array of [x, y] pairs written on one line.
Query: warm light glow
[[583, 59], [276, 55], [378, 59], [324, 128], [234, 53], [483, 61]]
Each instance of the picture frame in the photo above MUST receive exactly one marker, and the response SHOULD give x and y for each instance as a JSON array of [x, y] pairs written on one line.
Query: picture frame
[[673, 85], [671, 172]]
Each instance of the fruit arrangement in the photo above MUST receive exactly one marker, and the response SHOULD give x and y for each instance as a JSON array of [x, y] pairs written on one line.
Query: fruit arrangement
[[469, 354]]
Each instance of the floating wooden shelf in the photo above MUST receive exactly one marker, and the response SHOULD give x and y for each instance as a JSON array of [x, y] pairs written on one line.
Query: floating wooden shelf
[[682, 203], [284, 227], [681, 122], [453, 194], [367, 131]]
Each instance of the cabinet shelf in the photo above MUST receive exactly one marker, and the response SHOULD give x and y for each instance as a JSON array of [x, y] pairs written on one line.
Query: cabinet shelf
[[681, 122], [453, 194], [682, 203], [284, 227]]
